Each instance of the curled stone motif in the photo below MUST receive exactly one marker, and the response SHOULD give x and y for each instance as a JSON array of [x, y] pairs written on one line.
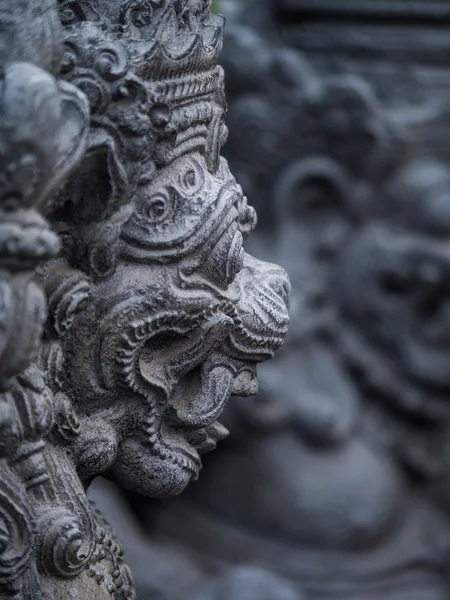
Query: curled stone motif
[[16, 533], [63, 547]]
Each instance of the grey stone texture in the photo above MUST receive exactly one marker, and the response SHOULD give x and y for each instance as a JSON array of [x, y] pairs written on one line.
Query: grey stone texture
[[129, 310]]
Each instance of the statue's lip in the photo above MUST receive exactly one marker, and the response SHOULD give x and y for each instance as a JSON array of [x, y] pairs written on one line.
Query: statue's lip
[[193, 463], [206, 439]]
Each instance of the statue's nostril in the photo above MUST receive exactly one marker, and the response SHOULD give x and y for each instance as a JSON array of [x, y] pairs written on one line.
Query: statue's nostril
[[286, 287], [281, 285]]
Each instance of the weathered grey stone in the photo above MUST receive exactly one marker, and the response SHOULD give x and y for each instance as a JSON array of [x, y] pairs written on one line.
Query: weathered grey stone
[[151, 312]]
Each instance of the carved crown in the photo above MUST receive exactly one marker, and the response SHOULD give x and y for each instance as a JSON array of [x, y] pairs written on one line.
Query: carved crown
[[149, 70], [166, 38]]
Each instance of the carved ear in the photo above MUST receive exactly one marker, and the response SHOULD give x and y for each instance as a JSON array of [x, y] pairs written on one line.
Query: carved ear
[[317, 207], [104, 157], [96, 200], [72, 134], [98, 187]]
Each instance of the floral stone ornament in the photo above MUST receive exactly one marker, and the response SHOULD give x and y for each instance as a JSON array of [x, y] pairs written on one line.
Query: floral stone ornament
[[130, 311]]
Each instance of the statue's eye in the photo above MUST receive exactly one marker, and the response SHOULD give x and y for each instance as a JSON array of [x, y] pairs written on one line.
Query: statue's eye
[[70, 58], [157, 207], [160, 115], [191, 177], [70, 12], [111, 63]]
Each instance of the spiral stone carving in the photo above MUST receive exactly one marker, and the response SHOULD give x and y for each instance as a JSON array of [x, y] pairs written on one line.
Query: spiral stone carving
[[63, 548], [17, 537]]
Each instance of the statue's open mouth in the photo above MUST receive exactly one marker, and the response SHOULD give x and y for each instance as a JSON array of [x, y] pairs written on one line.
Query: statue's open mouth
[[194, 444], [205, 440], [200, 398]]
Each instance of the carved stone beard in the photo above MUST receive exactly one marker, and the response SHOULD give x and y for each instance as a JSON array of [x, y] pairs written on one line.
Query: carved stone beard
[[178, 383], [130, 373]]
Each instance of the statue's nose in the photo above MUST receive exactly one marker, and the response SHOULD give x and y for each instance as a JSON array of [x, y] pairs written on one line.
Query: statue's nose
[[273, 283], [263, 309], [278, 281]]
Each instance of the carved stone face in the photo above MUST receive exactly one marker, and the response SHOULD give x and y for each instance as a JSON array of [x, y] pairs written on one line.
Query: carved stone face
[[157, 315], [178, 327]]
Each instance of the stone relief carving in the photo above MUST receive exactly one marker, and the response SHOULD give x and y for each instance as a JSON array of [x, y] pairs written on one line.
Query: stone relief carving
[[344, 451], [36, 113], [129, 323]]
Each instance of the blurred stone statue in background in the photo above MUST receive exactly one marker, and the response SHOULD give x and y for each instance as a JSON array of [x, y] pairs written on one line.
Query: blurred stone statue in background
[[334, 483]]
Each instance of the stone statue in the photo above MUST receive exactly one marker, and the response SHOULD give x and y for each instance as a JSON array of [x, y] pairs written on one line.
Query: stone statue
[[128, 324], [335, 480]]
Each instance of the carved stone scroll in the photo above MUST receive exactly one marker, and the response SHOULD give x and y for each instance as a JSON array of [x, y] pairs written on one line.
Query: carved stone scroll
[[125, 327]]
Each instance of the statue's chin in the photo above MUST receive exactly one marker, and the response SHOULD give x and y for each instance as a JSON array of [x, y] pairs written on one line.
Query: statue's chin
[[138, 469]]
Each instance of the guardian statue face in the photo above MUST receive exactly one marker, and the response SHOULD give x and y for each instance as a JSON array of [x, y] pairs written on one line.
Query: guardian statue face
[[165, 315]]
